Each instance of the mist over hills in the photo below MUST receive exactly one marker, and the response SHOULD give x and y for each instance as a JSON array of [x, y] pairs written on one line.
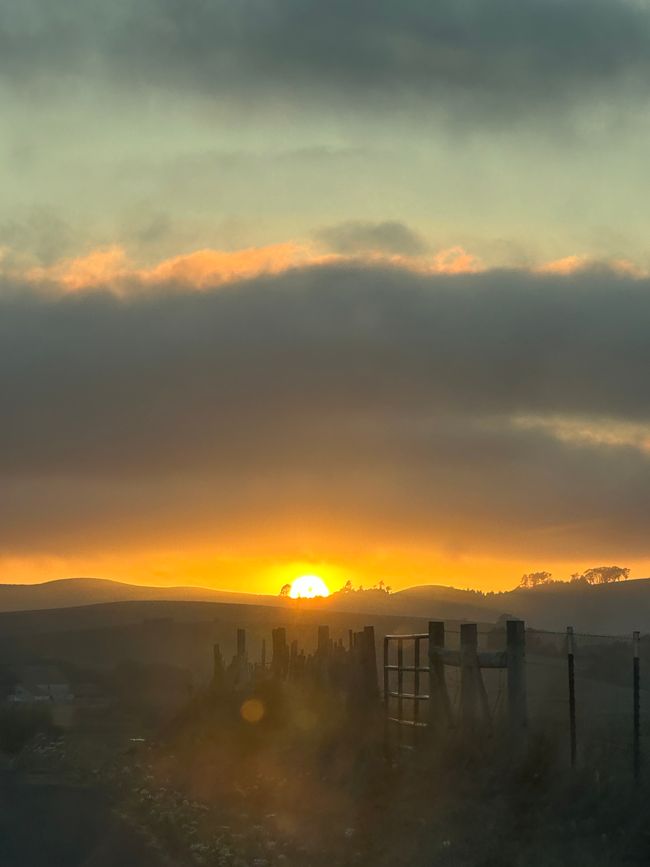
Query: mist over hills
[[614, 608]]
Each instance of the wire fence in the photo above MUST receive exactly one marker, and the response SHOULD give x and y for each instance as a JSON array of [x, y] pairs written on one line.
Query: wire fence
[[585, 691]]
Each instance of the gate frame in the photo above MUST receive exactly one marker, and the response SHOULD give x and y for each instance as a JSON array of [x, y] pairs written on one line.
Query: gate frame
[[473, 696]]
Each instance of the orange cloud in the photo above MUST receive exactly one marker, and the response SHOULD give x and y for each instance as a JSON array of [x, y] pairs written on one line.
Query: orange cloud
[[97, 268], [111, 267], [566, 265], [451, 260], [201, 269], [455, 260], [573, 264], [205, 268]]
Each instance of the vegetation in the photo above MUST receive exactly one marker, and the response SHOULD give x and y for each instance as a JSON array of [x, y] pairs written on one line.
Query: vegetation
[[307, 786], [602, 575], [534, 579], [594, 575], [19, 724], [379, 587], [307, 781]]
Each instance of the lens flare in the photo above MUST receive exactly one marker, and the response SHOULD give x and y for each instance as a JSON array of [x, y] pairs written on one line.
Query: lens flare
[[308, 587], [252, 710]]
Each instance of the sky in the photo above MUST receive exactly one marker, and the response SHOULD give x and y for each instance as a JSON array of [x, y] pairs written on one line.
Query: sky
[[360, 289]]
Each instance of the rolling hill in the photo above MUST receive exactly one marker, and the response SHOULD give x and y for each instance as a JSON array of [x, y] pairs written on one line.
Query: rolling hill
[[71, 592], [613, 608]]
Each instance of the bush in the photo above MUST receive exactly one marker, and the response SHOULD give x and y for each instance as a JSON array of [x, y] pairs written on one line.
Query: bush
[[19, 725]]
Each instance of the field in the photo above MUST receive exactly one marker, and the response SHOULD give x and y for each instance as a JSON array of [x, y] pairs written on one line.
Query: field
[[175, 761]]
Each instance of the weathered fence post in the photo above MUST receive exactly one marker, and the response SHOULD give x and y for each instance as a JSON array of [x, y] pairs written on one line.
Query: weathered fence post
[[516, 662], [241, 644], [218, 668], [370, 662], [241, 660], [293, 659], [468, 681], [387, 749], [572, 694], [323, 640], [386, 679], [439, 704], [636, 749], [416, 690], [280, 658]]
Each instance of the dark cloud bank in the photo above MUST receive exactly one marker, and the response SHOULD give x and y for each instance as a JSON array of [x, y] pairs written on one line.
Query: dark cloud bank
[[371, 397], [496, 56]]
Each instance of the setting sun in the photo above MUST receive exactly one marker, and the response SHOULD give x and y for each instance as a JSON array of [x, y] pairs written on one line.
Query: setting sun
[[308, 587]]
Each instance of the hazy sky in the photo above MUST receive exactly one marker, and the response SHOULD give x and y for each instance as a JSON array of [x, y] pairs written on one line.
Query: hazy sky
[[351, 287]]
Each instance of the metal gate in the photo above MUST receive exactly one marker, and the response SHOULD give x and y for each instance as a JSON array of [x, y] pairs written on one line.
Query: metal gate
[[416, 696], [395, 671]]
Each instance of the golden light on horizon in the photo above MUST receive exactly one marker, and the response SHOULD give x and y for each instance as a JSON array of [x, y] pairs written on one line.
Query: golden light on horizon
[[308, 587]]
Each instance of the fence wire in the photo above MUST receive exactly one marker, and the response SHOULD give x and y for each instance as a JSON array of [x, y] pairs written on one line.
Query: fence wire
[[603, 677]]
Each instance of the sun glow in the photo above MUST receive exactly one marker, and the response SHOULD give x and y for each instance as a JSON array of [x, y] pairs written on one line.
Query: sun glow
[[308, 587]]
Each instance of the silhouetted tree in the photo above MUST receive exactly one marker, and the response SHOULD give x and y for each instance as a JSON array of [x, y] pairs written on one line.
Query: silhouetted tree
[[605, 574], [286, 589], [534, 579]]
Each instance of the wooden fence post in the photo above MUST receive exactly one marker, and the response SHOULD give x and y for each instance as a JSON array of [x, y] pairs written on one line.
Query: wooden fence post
[[385, 670], [516, 661], [323, 640], [386, 663], [241, 644], [416, 690], [468, 682], [293, 659], [439, 704], [636, 749], [218, 668], [572, 694], [369, 662], [400, 689], [280, 659], [241, 661]]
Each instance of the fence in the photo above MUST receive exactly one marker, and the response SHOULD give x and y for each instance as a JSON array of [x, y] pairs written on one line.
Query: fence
[[348, 669], [473, 707], [589, 689], [586, 690]]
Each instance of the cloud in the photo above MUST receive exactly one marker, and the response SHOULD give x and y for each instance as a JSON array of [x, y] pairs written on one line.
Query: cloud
[[111, 268], [330, 400], [471, 58], [356, 236], [209, 267], [43, 235], [596, 432], [572, 264]]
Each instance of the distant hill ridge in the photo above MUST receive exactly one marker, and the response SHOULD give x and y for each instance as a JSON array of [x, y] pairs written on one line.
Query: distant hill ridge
[[611, 609], [72, 592]]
